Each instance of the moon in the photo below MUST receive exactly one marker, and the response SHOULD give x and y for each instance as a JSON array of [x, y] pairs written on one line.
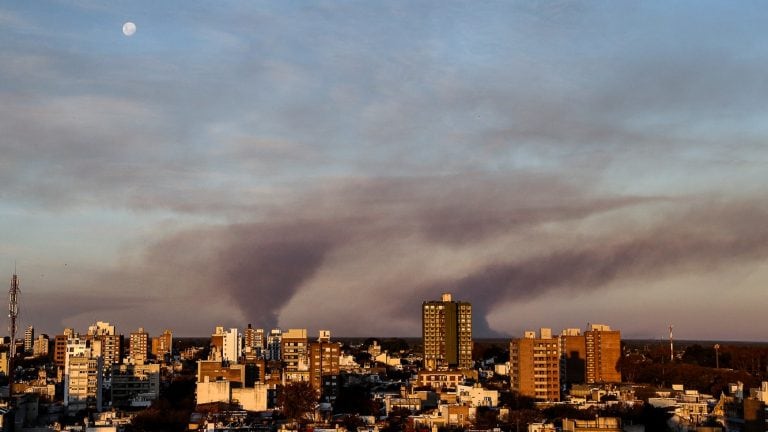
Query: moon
[[129, 28]]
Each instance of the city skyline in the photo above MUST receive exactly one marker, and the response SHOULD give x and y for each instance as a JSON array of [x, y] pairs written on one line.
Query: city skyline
[[333, 165]]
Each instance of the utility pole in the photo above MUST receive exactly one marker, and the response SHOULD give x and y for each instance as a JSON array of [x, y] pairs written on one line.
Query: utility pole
[[717, 356]]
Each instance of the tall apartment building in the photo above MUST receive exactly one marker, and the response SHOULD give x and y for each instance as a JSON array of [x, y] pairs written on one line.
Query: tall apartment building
[[162, 344], [573, 361], [108, 347], [217, 343], [83, 374], [534, 365], [77, 346], [294, 354], [138, 347], [591, 357], [105, 342], [603, 351], [29, 339], [254, 342], [60, 350], [40, 346], [232, 346], [274, 344], [83, 385], [447, 333], [324, 364]]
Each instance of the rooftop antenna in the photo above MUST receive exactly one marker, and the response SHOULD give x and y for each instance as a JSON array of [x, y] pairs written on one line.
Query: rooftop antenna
[[671, 345]]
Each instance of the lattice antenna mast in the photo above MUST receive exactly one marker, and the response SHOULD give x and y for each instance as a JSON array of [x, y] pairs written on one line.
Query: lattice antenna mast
[[13, 313]]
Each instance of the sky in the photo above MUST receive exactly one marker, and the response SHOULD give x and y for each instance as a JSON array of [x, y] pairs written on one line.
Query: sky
[[333, 164]]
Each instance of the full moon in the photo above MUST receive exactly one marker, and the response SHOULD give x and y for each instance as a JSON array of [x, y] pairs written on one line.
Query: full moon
[[129, 28]]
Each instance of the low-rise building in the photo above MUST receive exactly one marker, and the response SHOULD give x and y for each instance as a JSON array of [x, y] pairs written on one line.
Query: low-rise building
[[477, 396], [600, 424], [541, 427], [216, 370], [249, 398], [135, 385], [440, 379]]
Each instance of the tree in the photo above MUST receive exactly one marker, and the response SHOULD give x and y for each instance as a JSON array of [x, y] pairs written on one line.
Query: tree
[[520, 419], [362, 357], [486, 418], [397, 420], [355, 399], [170, 412], [297, 399], [394, 345]]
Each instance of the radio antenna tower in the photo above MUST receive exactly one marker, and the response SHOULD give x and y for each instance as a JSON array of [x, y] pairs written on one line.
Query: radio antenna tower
[[13, 313], [671, 345]]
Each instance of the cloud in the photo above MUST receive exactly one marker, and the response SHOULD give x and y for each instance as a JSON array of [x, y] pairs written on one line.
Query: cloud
[[360, 235], [358, 255], [704, 238]]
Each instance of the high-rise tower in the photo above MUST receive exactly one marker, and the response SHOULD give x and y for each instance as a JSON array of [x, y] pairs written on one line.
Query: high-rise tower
[[29, 339], [603, 351], [446, 327], [138, 346], [534, 365]]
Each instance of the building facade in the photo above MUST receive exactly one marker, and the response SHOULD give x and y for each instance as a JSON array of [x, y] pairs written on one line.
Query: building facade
[[106, 343], [254, 342], [274, 344], [447, 333], [534, 365], [60, 350], [324, 366], [603, 351], [294, 352], [29, 339], [135, 385], [138, 346], [40, 346], [573, 351], [162, 344], [83, 383], [232, 346]]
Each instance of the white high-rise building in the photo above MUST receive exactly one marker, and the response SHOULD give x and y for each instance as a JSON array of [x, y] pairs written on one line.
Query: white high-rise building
[[29, 339], [101, 328], [76, 346], [83, 374], [232, 346]]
